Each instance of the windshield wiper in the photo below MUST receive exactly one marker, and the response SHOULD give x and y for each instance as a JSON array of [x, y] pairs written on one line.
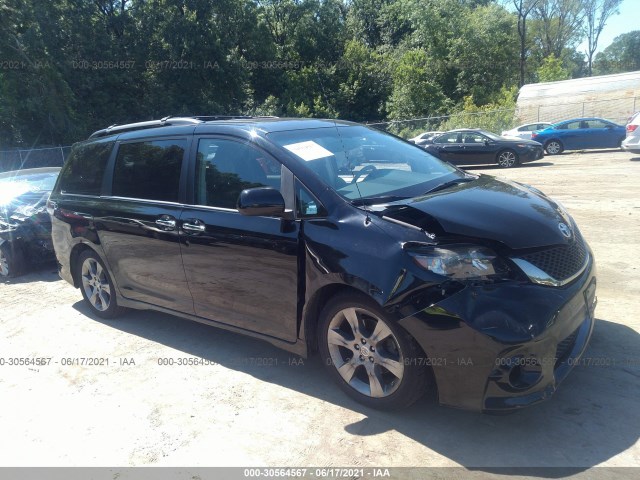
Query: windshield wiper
[[451, 183], [377, 200]]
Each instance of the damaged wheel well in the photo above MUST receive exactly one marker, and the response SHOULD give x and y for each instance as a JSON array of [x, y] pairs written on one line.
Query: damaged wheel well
[[73, 257]]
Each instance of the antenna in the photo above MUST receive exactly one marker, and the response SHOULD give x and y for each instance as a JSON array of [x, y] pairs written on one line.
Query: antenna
[[364, 206]]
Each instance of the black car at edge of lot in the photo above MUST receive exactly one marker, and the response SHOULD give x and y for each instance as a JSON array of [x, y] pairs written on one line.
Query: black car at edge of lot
[[471, 146], [25, 226], [405, 273]]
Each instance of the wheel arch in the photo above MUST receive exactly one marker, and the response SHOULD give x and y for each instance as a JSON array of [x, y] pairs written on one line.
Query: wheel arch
[[315, 304], [76, 251], [313, 308]]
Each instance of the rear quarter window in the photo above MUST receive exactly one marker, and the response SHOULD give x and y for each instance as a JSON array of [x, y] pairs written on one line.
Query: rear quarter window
[[83, 172]]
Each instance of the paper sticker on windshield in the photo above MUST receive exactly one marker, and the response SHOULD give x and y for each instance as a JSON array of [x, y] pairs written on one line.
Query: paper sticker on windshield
[[308, 150]]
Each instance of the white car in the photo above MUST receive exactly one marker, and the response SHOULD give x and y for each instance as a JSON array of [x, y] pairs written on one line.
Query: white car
[[423, 137], [525, 131], [632, 142]]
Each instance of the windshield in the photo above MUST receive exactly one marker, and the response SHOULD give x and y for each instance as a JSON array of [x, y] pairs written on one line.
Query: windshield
[[491, 135], [362, 162]]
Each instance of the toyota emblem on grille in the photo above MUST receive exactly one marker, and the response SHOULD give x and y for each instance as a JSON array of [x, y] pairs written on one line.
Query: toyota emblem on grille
[[564, 230]]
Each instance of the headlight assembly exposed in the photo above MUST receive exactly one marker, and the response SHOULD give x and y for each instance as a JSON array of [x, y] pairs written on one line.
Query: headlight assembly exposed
[[462, 262]]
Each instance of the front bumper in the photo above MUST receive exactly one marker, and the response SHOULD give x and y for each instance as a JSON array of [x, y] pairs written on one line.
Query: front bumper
[[483, 371], [531, 154]]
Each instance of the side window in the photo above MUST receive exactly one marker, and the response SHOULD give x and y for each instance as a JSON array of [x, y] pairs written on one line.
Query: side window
[[149, 170], [448, 138], [83, 172], [307, 206], [472, 138], [597, 124], [225, 167]]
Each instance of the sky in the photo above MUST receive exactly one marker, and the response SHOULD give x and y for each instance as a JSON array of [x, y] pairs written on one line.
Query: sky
[[627, 21]]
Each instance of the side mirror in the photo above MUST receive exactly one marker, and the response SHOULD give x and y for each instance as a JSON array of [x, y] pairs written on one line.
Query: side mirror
[[261, 201], [487, 142]]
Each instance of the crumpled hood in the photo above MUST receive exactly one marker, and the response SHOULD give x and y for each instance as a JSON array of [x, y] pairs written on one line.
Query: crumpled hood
[[25, 205], [489, 208]]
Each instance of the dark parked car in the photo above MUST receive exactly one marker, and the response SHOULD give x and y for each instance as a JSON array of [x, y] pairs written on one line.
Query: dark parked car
[[580, 134], [406, 273], [477, 147], [25, 227]]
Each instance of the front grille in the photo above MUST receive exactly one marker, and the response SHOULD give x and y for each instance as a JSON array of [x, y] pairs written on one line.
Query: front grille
[[564, 348], [560, 262]]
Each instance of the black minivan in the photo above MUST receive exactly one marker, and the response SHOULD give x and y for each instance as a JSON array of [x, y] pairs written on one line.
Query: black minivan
[[405, 273]]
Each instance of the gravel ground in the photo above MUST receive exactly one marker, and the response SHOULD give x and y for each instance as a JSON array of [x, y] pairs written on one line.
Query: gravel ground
[[254, 405]]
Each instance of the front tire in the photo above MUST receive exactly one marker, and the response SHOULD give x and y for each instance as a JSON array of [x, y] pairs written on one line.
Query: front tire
[[11, 260], [96, 285], [507, 159], [554, 147], [372, 359]]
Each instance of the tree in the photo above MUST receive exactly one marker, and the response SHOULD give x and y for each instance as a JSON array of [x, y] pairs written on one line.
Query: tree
[[623, 55], [365, 21], [364, 83], [523, 9], [415, 93], [559, 25], [597, 12], [552, 70], [484, 52]]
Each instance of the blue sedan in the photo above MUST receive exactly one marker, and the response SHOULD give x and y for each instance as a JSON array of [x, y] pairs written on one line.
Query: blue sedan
[[580, 134]]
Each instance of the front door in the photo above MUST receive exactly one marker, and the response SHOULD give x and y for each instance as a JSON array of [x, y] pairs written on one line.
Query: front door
[[241, 270]]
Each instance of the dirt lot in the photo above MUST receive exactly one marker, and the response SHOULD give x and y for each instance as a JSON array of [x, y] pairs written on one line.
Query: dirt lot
[[254, 405]]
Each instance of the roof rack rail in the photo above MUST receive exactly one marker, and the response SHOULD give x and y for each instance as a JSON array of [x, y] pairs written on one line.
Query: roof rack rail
[[169, 120], [129, 127], [212, 118]]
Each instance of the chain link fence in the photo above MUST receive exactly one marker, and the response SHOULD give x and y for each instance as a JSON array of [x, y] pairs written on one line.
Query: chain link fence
[[615, 109], [17, 159]]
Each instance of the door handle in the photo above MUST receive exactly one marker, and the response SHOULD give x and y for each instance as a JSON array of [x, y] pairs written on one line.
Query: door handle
[[166, 222], [193, 226]]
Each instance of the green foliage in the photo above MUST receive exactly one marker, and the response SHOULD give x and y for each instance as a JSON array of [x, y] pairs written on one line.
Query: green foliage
[[364, 83], [485, 53], [552, 70], [495, 116], [75, 66], [415, 92], [623, 55]]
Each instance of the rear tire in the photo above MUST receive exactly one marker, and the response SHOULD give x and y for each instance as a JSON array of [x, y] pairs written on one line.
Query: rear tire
[[553, 147], [373, 360], [11, 260], [96, 285]]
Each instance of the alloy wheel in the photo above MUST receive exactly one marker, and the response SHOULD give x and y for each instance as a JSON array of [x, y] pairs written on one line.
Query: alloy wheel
[[507, 159], [4, 264], [365, 352], [95, 284], [553, 148]]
